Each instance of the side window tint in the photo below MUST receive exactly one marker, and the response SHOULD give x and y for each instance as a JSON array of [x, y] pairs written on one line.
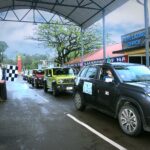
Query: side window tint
[[50, 72], [82, 74], [91, 73]]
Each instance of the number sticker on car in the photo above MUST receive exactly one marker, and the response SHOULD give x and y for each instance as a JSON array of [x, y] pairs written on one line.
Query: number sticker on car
[[87, 88]]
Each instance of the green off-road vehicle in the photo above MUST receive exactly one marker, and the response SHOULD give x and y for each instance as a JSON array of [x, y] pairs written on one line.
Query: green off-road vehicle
[[58, 79]]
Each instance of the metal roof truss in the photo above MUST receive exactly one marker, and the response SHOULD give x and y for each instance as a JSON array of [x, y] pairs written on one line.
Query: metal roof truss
[[81, 12]]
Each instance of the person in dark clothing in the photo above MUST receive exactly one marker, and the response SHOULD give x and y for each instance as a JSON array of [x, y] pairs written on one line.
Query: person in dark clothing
[[3, 91], [108, 75], [3, 73]]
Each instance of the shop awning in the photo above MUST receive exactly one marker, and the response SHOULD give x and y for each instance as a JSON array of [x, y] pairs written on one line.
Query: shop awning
[[122, 51], [98, 54]]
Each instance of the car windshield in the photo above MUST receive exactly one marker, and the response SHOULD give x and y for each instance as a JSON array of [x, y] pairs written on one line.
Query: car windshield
[[63, 71], [40, 72], [135, 73]]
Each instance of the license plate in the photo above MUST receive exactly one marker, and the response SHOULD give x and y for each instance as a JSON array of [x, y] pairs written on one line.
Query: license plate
[[69, 88]]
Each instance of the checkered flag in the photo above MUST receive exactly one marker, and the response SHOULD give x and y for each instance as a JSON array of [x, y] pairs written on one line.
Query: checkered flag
[[11, 72]]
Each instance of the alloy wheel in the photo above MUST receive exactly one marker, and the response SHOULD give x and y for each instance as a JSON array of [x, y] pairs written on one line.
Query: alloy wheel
[[128, 120]]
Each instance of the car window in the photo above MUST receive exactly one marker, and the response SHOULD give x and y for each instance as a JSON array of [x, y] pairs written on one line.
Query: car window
[[106, 73], [46, 72], [50, 72], [63, 71], [82, 73], [91, 73], [39, 72], [30, 72], [34, 72], [71, 71]]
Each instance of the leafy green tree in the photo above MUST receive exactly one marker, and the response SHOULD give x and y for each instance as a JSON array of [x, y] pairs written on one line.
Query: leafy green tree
[[31, 61], [67, 40], [3, 47]]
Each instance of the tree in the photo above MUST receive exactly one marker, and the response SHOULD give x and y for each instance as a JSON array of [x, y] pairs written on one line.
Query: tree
[[31, 61], [3, 47], [67, 40]]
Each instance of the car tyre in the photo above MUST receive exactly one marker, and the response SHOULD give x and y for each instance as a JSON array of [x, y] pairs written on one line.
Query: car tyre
[[129, 120], [78, 101], [55, 91], [36, 84], [32, 83], [45, 87]]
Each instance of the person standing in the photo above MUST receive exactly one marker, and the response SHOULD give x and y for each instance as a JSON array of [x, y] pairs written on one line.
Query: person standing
[[3, 73], [3, 91]]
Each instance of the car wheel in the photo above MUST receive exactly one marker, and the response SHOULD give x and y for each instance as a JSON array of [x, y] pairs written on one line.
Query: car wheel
[[32, 83], [129, 120], [55, 91], [45, 87], [36, 84], [78, 101]]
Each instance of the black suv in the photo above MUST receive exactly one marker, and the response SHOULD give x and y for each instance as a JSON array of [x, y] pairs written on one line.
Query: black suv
[[121, 90]]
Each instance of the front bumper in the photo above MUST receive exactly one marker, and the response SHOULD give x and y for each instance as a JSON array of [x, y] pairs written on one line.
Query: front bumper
[[40, 82], [65, 87], [146, 124]]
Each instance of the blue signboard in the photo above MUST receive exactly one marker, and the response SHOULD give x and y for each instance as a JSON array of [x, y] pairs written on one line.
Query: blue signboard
[[134, 39]]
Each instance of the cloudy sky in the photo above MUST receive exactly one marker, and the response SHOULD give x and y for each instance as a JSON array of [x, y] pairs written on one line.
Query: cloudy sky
[[126, 19]]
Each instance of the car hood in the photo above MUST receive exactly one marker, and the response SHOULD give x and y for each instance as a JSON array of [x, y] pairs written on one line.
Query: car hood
[[39, 75], [142, 85]]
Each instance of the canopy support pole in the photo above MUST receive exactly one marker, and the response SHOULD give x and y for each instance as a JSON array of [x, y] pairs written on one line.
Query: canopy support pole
[[146, 31], [104, 37], [82, 48]]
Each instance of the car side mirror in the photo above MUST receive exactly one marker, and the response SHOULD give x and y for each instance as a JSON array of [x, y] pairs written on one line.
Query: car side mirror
[[109, 80]]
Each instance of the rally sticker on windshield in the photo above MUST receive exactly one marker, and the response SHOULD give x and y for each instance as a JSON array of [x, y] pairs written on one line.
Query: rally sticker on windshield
[[87, 88]]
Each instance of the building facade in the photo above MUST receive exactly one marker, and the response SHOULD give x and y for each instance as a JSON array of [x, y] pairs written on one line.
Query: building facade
[[96, 57], [133, 46]]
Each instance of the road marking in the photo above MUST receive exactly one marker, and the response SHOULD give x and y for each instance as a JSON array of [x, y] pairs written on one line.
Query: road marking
[[97, 133]]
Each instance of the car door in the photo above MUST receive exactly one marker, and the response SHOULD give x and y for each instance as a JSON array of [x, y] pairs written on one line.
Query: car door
[[80, 79], [106, 91], [89, 84], [49, 79]]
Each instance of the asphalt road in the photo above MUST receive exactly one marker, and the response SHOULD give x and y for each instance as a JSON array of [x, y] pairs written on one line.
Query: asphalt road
[[33, 120]]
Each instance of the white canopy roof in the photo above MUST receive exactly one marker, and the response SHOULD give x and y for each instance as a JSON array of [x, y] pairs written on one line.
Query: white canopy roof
[[82, 12]]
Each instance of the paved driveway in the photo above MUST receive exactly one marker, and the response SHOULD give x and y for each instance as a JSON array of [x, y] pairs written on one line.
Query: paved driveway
[[33, 120]]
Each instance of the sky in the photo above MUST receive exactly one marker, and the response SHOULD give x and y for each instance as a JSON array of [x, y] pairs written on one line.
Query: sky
[[126, 19]]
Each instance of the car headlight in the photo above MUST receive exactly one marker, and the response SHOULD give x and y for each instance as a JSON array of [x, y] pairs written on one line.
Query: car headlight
[[148, 94]]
